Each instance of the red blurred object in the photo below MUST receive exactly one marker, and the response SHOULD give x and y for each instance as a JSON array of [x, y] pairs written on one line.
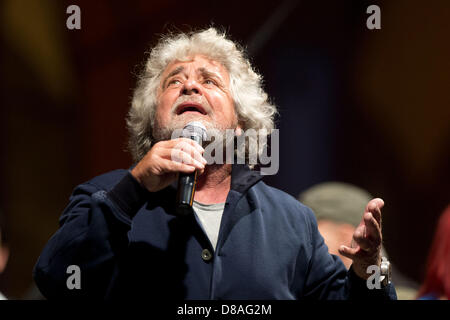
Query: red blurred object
[[437, 279]]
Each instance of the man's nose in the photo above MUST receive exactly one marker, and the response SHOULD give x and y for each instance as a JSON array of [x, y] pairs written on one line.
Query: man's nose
[[191, 87]]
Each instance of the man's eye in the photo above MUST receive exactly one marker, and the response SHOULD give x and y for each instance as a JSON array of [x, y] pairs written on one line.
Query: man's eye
[[175, 81], [209, 81]]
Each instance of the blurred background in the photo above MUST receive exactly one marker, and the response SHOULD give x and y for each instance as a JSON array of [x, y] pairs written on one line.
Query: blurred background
[[368, 107]]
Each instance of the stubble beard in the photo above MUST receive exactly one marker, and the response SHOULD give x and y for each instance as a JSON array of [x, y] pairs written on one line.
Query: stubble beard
[[178, 122]]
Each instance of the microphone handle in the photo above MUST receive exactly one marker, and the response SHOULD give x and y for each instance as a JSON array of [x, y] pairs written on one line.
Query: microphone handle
[[186, 187]]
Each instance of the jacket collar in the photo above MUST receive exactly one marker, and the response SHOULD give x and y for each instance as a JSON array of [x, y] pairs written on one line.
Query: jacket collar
[[243, 178]]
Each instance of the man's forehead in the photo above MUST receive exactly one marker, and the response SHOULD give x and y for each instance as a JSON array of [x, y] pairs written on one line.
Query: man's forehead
[[200, 63]]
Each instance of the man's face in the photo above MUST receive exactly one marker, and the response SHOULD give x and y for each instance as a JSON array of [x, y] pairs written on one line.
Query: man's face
[[195, 90]]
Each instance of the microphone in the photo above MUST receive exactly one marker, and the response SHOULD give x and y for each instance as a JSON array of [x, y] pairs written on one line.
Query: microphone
[[186, 181]]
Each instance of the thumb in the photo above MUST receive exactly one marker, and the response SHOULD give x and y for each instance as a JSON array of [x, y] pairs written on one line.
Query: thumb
[[348, 252]]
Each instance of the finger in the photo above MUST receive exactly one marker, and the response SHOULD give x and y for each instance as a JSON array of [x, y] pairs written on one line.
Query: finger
[[187, 141], [188, 157], [191, 150], [182, 152], [377, 215], [373, 229], [348, 252], [374, 206], [359, 236], [173, 166], [376, 202], [177, 155], [198, 156]]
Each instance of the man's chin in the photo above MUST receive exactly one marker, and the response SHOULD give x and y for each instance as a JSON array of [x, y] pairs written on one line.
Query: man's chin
[[161, 133], [180, 121]]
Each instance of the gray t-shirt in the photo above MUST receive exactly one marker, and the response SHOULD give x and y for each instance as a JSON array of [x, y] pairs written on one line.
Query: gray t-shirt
[[210, 216]]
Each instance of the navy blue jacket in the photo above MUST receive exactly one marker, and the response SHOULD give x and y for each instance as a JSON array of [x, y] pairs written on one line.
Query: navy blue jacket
[[129, 244]]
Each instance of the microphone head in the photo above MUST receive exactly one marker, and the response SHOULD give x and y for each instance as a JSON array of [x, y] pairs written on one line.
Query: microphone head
[[196, 129]]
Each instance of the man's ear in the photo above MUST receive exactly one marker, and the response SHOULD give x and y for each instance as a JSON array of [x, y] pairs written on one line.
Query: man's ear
[[4, 255]]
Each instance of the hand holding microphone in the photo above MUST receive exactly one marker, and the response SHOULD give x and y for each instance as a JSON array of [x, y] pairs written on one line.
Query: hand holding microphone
[[160, 166], [166, 159]]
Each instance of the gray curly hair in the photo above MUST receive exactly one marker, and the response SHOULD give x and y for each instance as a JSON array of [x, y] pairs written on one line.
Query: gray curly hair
[[252, 106]]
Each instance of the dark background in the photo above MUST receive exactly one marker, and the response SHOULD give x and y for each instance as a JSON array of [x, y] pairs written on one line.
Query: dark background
[[368, 107]]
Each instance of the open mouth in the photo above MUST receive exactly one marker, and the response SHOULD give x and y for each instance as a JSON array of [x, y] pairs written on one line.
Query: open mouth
[[190, 107]]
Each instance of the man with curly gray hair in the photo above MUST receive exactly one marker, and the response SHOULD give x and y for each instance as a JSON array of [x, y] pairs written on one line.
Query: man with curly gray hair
[[121, 236], [233, 76], [204, 77]]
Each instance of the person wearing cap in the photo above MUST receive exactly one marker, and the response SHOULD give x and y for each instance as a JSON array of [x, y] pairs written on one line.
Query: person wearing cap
[[337, 207]]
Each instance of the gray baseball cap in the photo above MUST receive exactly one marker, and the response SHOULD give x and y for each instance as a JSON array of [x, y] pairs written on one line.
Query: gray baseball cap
[[336, 201]]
